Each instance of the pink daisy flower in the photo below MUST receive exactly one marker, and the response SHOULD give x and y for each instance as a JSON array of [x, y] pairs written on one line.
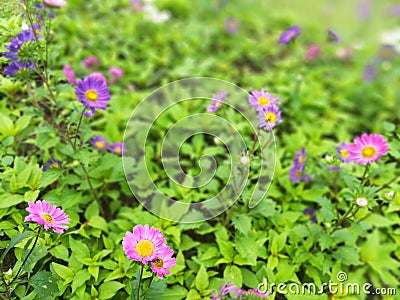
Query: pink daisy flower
[[90, 62], [143, 244], [50, 216], [55, 3], [69, 74], [116, 74], [99, 76], [163, 262], [367, 148]]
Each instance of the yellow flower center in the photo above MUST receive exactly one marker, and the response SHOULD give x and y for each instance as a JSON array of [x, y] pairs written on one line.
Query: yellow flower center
[[218, 103], [297, 173], [55, 165], [344, 153], [263, 101], [100, 145], [270, 117], [91, 95], [47, 218], [159, 263], [300, 159], [368, 152], [144, 248], [117, 150]]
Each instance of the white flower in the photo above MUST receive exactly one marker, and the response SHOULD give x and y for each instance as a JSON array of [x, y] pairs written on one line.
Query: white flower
[[362, 202], [25, 26], [392, 38], [328, 158], [389, 194], [244, 160], [153, 14], [9, 272]]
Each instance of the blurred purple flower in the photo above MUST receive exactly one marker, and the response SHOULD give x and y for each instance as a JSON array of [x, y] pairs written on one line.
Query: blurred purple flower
[[332, 36], [394, 10], [23, 37], [117, 148], [343, 151], [371, 73], [52, 163], [387, 52], [99, 76], [231, 25], [364, 9], [217, 100], [297, 172], [311, 213], [289, 35], [335, 168], [268, 116]]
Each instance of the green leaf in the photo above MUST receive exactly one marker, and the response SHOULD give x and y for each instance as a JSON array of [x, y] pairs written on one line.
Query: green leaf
[[156, 290], [98, 222], [234, 275], [22, 123], [78, 248], [108, 289], [7, 200], [242, 223], [60, 252], [44, 284], [248, 250], [64, 272], [14, 241], [6, 126], [79, 279], [38, 253], [201, 281], [175, 292]]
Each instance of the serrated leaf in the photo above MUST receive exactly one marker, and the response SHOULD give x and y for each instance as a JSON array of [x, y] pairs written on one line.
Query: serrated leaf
[[14, 241], [242, 223]]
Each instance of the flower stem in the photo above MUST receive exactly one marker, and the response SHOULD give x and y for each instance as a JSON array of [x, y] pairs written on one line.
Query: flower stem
[[78, 127], [365, 174], [140, 282], [388, 184], [26, 258], [151, 280]]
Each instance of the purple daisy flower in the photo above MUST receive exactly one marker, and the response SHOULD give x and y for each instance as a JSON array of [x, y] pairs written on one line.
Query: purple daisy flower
[[261, 98], [100, 143], [117, 148], [217, 100], [343, 151], [23, 37], [289, 35], [296, 173], [93, 93], [14, 67], [268, 116], [231, 25], [52, 163], [332, 36]]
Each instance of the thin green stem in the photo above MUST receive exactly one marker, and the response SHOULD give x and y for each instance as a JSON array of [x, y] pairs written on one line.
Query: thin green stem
[[140, 282], [388, 184], [78, 127], [26, 258], [151, 280], [364, 174]]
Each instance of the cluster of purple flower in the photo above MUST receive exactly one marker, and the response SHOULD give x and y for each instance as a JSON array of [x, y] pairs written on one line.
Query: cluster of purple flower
[[147, 245], [297, 172], [101, 143], [19, 63], [237, 293], [268, 112], [217, 99]]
